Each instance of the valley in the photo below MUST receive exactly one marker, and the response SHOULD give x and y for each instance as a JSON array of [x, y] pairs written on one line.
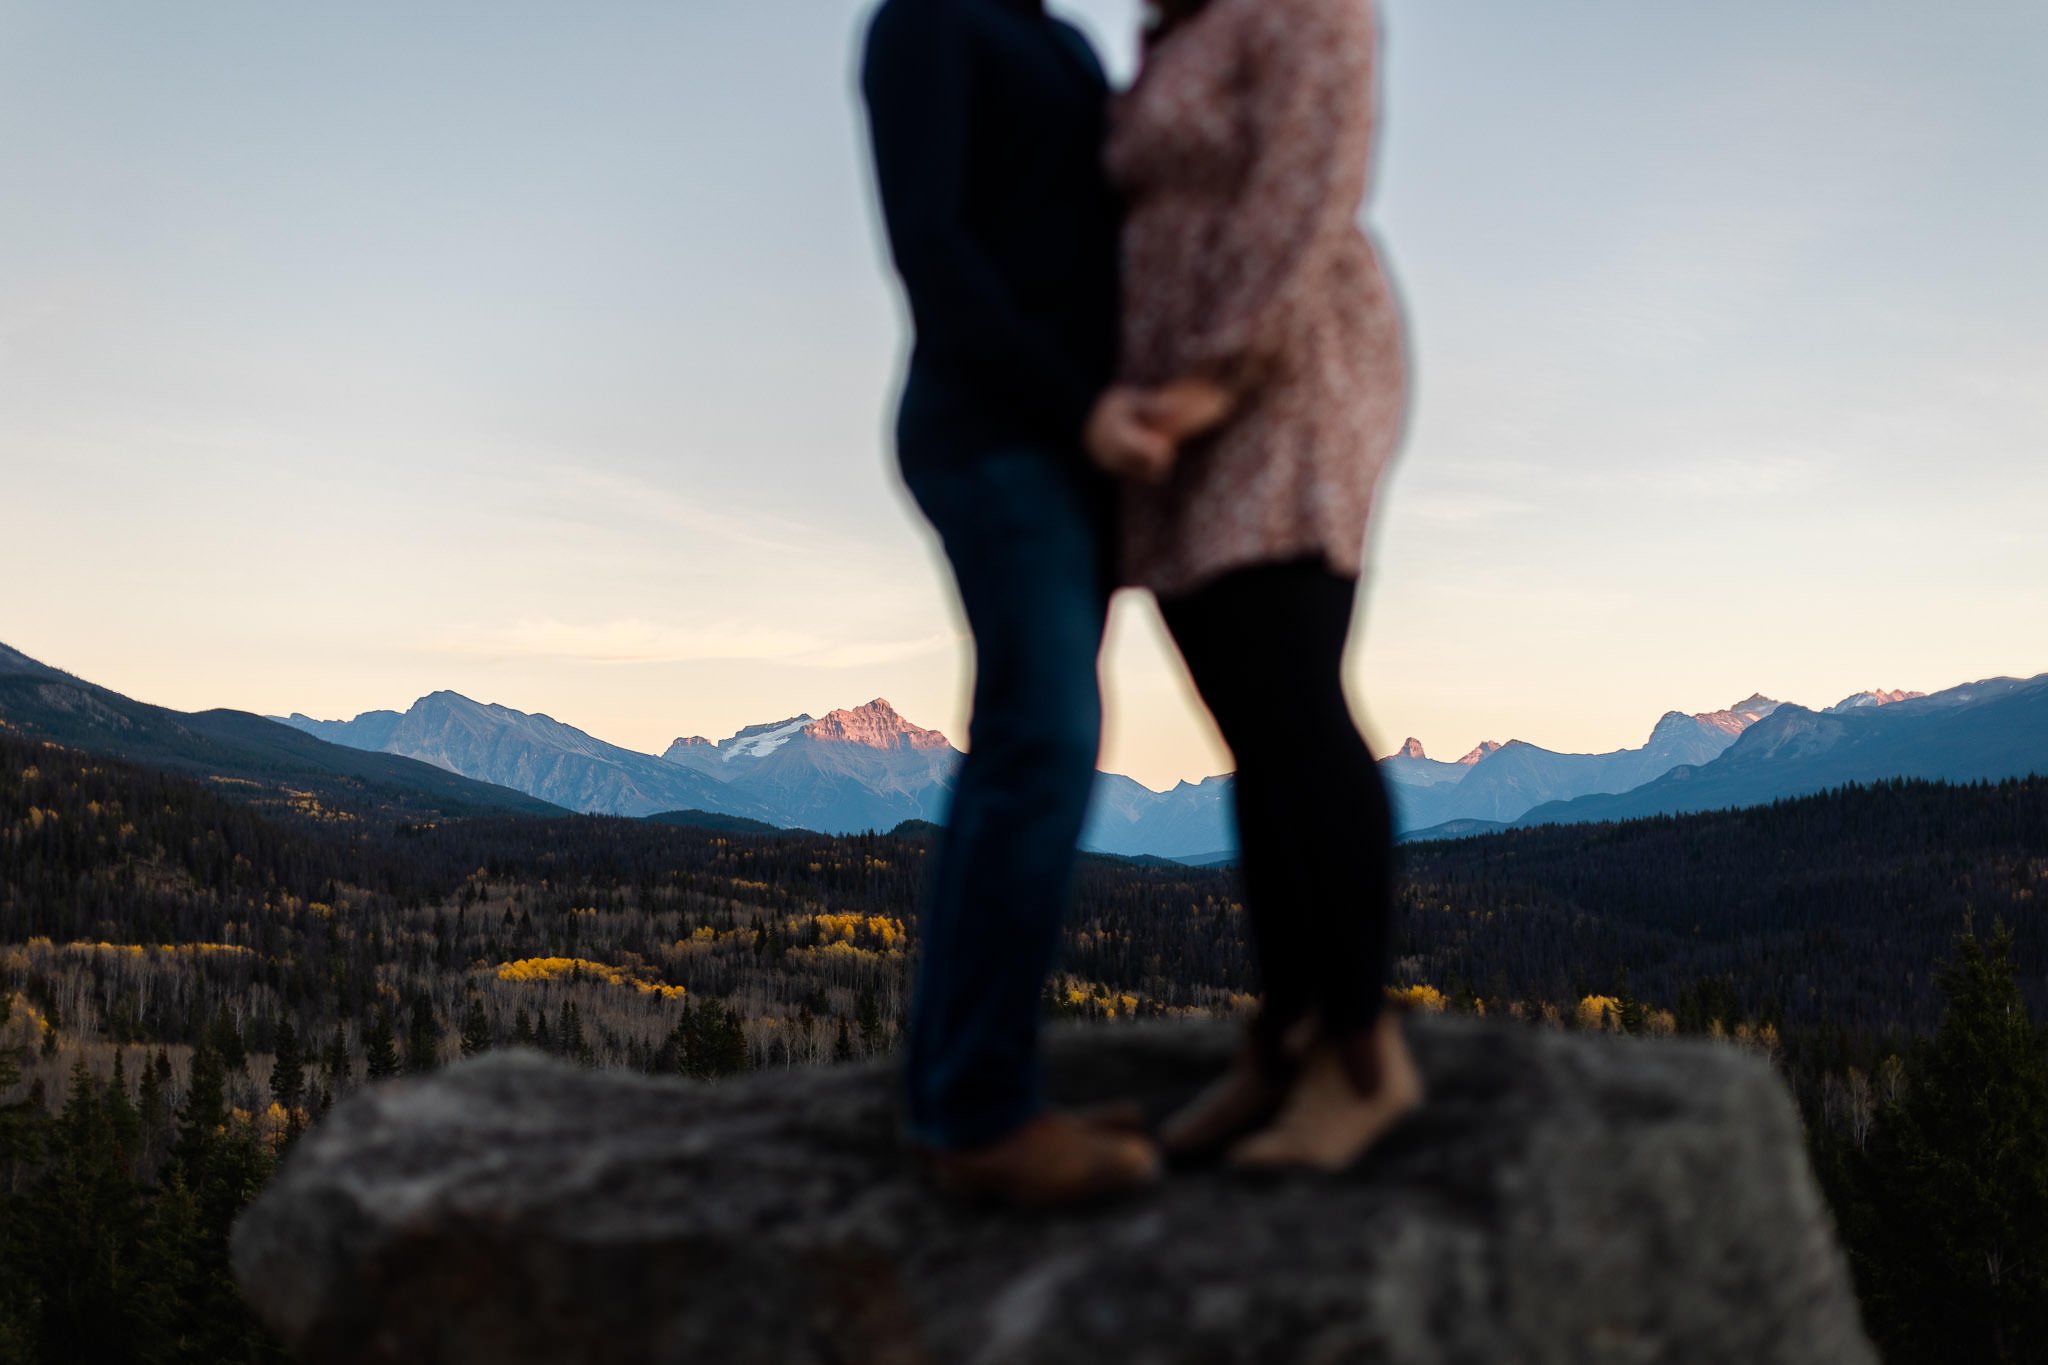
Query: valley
[[213, 928]]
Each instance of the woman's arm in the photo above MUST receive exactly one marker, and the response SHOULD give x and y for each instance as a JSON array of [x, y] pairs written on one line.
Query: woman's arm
[[1309, 104], [915, 78]]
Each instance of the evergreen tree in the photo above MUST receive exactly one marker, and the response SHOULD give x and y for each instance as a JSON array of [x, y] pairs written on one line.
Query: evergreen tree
[[732, 1055], [203, 1115], [287, 1068], [423, 1040], [124, 1124], [694, 1043], [1952, 1251], [842, 1046], [174, 1250], [569, 1035], [226, 1036], [18, 1124], [152, 1108], [380, 1048], [868, 1012], [85, 1217], [339, 1066], [17, 1119], [209, 1321], [476, 1029], [522, 1024]]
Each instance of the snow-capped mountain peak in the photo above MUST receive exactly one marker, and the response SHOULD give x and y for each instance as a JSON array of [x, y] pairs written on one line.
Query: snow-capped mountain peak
[[1740, 716], [1875, 697], [862, 768], [875, 726], [1479, 751], [1412, 749]]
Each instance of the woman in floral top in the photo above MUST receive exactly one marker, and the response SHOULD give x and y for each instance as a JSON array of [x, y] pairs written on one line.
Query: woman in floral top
[[1262, 335]]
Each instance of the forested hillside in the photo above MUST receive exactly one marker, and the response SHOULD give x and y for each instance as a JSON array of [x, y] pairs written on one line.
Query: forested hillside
[[1826, 911], [268, 762], [188, 981]]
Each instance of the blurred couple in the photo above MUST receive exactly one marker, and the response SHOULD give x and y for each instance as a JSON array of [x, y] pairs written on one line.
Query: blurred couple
[[1155, 349]]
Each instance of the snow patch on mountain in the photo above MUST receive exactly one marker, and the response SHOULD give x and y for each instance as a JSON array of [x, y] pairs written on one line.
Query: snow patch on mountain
[[759, 741], [1877, 696], [1740, 716]]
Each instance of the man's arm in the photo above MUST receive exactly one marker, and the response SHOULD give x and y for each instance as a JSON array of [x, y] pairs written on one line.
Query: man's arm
[[915, 79]]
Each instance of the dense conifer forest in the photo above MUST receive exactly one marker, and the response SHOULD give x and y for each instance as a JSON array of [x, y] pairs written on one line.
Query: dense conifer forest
[[188, 979]]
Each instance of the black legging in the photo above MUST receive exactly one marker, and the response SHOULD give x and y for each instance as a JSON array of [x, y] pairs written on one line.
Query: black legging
[[1265, 646]]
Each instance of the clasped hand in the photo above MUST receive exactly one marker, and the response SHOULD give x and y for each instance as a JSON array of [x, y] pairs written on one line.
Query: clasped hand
[[1136, 433]]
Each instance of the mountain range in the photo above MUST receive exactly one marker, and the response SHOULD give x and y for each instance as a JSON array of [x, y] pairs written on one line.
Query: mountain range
[[857, 769], [868, 767], [238, 751], [1504, 781], [1491, 786], [535, 754], [863, 768], [1980, 731]]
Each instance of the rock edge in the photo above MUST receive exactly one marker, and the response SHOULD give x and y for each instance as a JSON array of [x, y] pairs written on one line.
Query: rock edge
[[1562, 1198]]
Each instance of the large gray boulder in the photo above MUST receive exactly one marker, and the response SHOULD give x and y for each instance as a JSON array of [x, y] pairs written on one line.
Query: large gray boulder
[[1562, 1198]]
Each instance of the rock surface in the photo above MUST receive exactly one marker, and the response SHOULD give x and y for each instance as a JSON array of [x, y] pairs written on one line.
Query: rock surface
[[1561, 1198]]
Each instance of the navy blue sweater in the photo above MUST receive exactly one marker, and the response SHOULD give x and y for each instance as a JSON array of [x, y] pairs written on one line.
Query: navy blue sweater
[[988, 119]]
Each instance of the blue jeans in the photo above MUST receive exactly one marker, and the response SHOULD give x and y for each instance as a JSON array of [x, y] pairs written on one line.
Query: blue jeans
[[1025, 533]]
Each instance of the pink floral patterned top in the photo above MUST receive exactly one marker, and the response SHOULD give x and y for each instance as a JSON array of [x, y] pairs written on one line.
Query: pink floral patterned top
[[1242, 154]]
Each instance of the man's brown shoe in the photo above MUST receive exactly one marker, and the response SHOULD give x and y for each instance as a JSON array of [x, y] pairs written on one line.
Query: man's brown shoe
[[1055, 1161]]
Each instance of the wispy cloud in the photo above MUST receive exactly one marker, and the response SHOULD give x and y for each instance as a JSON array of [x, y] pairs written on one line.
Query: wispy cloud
[[877, 652], [596, 496], [633, 641]]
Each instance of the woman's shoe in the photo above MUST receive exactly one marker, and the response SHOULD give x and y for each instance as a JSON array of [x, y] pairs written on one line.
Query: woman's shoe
[[1347, 1096], [1057, 1160], [1119, 1116], [1241, 1100]]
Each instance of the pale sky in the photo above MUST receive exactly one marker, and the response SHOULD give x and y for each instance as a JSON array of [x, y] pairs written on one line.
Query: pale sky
[[545, 352]]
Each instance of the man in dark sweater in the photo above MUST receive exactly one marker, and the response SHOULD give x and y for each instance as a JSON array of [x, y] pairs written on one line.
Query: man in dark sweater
[[988, 119]]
